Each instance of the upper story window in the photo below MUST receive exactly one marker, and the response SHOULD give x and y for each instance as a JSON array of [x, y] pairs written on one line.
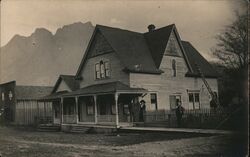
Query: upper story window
[[102, 70], [3, 96], [173, 68], [10, 95]]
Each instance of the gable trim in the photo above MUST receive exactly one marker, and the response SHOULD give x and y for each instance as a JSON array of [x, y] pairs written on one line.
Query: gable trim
[[85, 57], [183, 50], [59, 80], [86, 53]]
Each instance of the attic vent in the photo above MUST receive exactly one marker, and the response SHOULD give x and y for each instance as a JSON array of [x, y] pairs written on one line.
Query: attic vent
[[137, 67], [151, 27]]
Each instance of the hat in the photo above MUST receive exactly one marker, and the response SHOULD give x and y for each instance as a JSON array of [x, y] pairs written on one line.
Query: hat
[[142, 101]]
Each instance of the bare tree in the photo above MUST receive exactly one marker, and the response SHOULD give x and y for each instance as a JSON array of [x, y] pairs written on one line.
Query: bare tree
[[232, 44]]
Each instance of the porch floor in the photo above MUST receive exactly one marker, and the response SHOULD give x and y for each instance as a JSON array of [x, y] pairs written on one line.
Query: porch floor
[[180, 130]]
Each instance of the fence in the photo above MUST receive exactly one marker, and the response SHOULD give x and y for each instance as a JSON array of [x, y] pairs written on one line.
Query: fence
[[203, 118]]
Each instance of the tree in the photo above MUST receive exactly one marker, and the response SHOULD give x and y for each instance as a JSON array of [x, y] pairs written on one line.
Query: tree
[[232, 44], [232, 51]]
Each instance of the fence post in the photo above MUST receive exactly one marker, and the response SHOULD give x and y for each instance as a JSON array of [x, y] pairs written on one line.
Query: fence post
[[169, 120]]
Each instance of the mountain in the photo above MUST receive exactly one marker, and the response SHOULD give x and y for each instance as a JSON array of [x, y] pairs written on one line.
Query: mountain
[[41, 57]]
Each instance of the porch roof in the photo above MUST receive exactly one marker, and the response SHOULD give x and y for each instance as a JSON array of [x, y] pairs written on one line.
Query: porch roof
[[110, 87], [54, 95]]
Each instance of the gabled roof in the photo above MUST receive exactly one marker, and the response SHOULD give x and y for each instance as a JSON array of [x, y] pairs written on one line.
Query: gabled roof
[[195, 57], [157, 42], [131, 48], [110, 87], [70, 80], [143, 52], [31, 92]]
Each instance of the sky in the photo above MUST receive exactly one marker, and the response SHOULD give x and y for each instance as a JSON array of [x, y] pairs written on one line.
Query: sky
[[197, 21]]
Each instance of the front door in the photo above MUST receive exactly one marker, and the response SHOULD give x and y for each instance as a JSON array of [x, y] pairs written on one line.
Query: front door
[[56, 111]]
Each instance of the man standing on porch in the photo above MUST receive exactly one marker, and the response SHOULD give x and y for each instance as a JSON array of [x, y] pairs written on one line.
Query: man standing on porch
[[142, 110]]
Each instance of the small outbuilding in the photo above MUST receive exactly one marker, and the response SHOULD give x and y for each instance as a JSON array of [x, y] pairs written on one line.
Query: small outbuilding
[[19, 103]]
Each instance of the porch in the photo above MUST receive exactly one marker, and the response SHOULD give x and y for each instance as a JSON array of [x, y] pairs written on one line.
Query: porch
[[110, 104]]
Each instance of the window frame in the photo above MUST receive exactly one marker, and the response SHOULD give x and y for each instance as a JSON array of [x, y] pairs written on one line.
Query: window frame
[[2, 96], [174, 68], [155, 99], [194, 100], [102, 70], [175, 96]]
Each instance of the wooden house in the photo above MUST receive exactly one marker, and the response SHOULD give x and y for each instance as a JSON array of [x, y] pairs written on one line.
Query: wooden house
[[122, 67], [19, 103]]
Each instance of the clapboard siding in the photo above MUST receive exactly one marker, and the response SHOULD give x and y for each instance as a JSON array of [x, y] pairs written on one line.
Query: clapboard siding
[[63, 87], [165, 84], [88, 71], [28, 110]]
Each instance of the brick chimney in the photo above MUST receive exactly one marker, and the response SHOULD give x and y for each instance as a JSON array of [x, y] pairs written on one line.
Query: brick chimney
[[151, 27]]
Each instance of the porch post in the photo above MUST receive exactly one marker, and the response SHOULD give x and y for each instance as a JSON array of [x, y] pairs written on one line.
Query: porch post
[[61, 110], [116, 110], [95, 98], [76, 98]]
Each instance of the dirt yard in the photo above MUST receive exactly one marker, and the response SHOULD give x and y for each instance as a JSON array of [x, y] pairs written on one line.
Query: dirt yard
[[18, 142]]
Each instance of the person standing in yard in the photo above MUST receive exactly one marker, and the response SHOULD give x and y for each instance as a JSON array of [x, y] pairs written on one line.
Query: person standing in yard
[[142, 110], [179, 112]]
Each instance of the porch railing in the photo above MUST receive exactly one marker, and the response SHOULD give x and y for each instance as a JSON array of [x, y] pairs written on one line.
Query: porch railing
[[69, 119], [106, 118]]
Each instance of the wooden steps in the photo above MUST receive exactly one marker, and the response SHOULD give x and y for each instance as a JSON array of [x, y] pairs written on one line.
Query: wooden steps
[[80, 129], [48, 128]]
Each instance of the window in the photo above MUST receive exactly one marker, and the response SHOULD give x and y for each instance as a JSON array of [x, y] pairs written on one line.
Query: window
[[173, 68], [113, 109], [102, 70], [10, 95], [97, 71], [126, 109], [173, 101], [3, 96], [194, 100], [90, 109], [107, 71], [154, 101]]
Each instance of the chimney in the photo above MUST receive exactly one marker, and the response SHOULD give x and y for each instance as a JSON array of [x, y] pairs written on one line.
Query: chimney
[[151, 27]]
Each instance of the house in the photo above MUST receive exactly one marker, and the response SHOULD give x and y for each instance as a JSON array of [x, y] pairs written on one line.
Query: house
[[19, 103], [122, 67]]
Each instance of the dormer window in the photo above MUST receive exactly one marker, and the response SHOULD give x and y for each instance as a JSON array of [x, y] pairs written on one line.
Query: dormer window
[[173, 68], [102, 70]]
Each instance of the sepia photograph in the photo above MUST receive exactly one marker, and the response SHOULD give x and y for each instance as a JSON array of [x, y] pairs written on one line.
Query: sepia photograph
[[124, 78]]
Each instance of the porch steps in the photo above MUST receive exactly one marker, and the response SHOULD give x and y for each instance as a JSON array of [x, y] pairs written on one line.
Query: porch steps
[[48, 128], [80, 129]]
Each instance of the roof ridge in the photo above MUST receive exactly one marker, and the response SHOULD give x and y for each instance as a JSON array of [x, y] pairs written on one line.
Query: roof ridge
[[171, 25], [118, 29], [67, 75], [34, 86]]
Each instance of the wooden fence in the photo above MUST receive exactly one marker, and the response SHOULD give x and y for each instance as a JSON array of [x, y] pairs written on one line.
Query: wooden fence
[[203, 118], [28, 112]]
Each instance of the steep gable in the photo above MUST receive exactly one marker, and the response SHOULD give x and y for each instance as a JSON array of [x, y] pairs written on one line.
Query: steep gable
[[157, 41], [173, 47], [99, 46], [66, 83], [131, 48]]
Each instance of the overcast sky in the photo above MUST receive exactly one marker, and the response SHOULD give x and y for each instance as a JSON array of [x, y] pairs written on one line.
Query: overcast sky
[[197, 21]]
